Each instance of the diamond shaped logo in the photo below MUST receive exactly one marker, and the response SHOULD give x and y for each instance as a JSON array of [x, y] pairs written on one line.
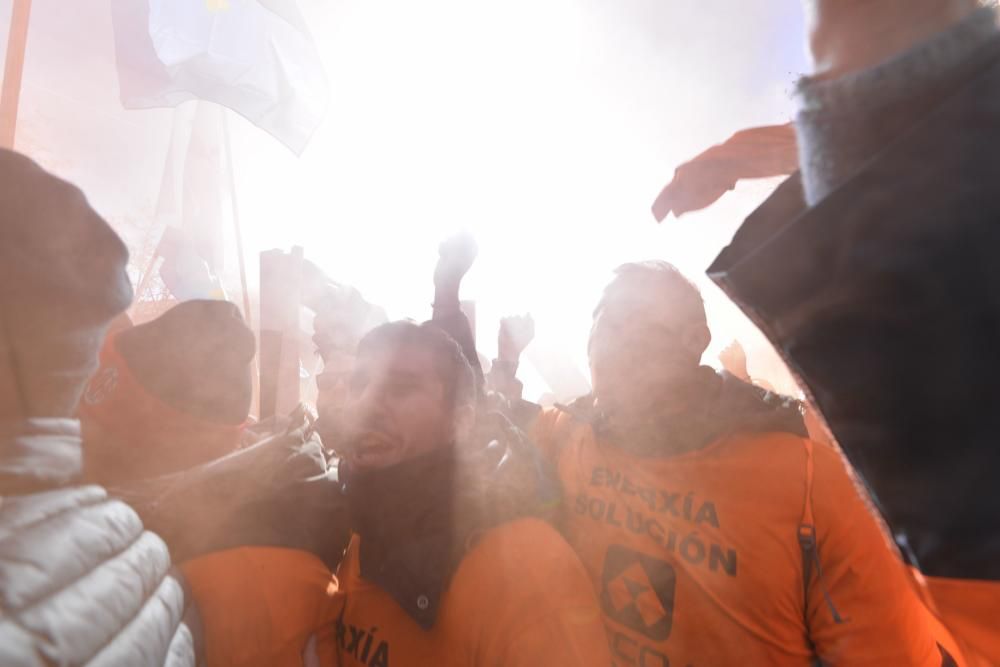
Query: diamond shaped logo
[[638, 592]]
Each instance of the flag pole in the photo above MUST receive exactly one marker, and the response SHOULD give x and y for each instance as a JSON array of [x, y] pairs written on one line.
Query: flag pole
[[17, 41], [238, 234], [236, 218], [166, 189]]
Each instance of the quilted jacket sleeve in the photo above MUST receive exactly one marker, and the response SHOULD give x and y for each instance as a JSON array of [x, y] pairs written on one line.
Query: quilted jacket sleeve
[[82, 583]]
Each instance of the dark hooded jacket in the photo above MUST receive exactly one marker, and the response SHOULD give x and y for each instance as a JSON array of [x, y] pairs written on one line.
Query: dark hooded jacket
[[884, 300], [727, 405]]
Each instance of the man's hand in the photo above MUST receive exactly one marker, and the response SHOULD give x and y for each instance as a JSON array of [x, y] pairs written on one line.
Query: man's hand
[[734, 360], [851, 35], [455, 258], [515, 334]]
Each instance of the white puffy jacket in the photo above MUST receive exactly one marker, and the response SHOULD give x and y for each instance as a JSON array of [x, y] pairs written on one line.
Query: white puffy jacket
[[81, 581]]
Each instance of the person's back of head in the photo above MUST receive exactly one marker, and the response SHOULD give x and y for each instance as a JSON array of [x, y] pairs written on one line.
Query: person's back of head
[[170, 394]]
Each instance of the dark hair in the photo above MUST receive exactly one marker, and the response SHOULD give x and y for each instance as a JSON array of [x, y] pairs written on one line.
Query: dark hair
[[452, 367]]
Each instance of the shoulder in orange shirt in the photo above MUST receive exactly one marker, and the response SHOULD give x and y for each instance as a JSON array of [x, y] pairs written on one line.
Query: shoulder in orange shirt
[[259, 605], [519, 598]]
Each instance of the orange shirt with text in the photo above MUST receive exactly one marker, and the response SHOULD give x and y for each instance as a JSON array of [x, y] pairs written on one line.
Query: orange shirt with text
[[696, 559]]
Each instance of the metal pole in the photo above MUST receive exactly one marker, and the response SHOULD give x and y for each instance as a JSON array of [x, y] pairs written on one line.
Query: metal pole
[[17, 41]]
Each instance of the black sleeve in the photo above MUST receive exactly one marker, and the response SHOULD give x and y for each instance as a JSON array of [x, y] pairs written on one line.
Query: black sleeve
[[276, 493], [450, 319]]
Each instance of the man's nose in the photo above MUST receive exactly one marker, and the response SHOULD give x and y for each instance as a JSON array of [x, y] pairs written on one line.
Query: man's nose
[[370, 403]]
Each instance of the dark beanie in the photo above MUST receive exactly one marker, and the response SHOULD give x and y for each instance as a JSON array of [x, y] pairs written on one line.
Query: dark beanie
[[62, 280], [196, 358]]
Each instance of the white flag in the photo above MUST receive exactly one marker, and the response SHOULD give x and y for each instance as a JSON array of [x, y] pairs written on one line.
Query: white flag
[[253, 56]]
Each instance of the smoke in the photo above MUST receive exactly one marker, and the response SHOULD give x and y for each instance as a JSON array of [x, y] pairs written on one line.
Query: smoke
[[545, 128]]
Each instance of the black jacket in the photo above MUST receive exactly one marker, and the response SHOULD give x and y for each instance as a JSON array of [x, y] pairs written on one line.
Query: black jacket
[[884, 299], [277, 491], [418, 519]]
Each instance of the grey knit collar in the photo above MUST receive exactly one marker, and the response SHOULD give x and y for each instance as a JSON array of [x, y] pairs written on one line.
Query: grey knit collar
[[898, 77]]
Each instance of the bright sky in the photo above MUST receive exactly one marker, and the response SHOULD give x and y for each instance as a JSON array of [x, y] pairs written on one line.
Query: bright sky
[[545, 128]]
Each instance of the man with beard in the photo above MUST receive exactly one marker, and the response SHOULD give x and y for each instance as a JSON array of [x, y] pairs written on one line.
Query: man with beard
[[714, 531], [451, 562]]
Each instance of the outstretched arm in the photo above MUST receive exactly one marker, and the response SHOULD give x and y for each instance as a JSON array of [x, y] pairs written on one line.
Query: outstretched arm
[[277, 492], [343, 316]]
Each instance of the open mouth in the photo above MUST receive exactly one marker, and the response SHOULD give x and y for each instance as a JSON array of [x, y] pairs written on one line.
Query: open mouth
[[372, 448]]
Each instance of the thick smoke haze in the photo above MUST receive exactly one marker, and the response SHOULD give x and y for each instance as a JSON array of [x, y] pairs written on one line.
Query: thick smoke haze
[[545, 128]]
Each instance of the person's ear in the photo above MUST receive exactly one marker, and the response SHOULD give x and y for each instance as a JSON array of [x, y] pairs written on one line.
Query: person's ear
[[465, 421], [696, 338]]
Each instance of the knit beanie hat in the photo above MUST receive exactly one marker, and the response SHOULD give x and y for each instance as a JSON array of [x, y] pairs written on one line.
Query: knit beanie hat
[[170, 394]]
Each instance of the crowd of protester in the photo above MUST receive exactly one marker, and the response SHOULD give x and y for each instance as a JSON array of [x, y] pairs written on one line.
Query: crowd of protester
[[427, 513]]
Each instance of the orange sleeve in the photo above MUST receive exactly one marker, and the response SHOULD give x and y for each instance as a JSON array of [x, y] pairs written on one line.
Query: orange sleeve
[[259, 605], [543, 610], [970, 608], [882, 621]]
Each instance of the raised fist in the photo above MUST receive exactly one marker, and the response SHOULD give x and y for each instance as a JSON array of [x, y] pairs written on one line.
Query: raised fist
[[516, 333], [455, 258]]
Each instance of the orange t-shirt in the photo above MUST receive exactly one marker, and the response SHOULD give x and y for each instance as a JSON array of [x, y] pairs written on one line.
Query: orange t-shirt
[[519, 598], [697, 562], [260, 605]]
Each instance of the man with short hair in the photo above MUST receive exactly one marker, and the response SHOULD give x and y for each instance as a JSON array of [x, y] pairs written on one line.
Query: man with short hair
[[451, 562], [714, 531]]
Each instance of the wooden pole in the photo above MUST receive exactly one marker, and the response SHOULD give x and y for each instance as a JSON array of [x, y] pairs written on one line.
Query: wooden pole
[[280, 298], [10, 96]]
